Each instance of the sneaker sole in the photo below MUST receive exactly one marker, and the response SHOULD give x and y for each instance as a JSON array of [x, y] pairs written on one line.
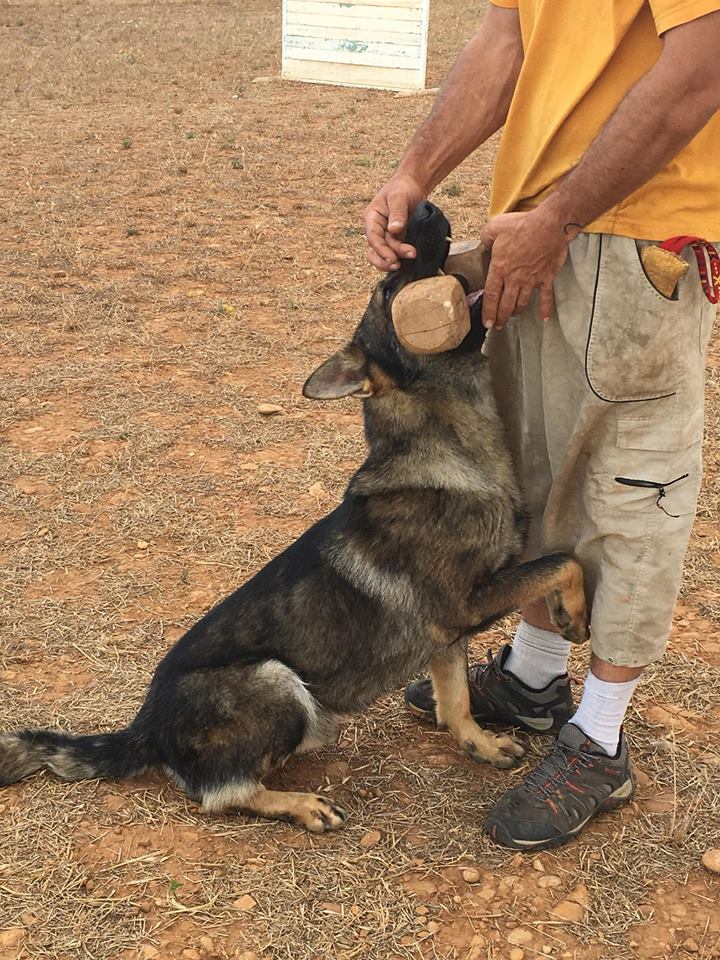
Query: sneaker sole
[[499, 833], [538, 725]]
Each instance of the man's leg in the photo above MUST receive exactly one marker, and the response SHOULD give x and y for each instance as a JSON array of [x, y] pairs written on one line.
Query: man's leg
[[625, 483], [604, 408], [539, 654]]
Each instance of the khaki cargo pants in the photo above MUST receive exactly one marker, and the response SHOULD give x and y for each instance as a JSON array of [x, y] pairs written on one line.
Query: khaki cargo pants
[[611, 387]]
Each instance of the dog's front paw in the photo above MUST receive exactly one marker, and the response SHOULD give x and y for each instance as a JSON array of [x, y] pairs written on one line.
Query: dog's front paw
[[568, 616], [501, 751]]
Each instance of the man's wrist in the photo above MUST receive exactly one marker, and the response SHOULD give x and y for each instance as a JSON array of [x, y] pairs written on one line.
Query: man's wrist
[[558, 217], [416, 170]]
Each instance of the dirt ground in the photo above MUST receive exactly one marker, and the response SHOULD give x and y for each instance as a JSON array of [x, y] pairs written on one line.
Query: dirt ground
[[180, 238]]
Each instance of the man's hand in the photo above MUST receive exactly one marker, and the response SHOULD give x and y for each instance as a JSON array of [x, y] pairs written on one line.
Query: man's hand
[[472, 105], [528, 250], [386, 219]]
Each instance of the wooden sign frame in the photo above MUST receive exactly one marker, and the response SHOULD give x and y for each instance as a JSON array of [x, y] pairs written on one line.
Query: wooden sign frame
[[360, 43]]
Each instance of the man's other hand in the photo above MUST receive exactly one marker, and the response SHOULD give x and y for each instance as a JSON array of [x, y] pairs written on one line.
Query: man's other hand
[[386, 219], [528, 250]]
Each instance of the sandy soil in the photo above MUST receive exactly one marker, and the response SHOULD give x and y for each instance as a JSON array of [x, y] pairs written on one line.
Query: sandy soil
[[181, 241]]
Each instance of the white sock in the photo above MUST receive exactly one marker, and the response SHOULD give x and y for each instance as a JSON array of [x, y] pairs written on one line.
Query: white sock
[[602, 710], [537, 656]]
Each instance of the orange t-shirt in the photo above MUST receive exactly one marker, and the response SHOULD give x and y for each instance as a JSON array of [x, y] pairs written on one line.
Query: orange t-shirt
[[581, 58]]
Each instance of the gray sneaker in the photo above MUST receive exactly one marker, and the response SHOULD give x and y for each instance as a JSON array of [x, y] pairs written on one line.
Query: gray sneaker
[[576, 781], [497, 696]]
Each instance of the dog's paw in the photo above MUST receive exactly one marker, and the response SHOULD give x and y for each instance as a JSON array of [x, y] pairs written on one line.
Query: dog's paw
[[317, 814], [570, 619], [501, 751]]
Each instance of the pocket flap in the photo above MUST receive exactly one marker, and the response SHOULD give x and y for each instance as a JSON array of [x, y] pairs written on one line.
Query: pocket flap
[[646, 433]]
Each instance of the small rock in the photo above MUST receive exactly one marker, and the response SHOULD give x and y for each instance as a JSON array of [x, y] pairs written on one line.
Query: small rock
[[711, 860], [433, 927], [245, 903], [371, 838], [579, 894], [206, 944], [269, 409], [191, 954], [142, 544], [317, 490], [422, 911], [691, 945], [520, 936], [329, 907], [537, 864], [568, 910], [548, 880], [643, 780], [547, 950], [11, 937], [517, 860], [517, 954], [668, 718], [471, 875]]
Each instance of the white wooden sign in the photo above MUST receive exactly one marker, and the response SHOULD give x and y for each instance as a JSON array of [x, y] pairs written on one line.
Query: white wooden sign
[[359, 43]]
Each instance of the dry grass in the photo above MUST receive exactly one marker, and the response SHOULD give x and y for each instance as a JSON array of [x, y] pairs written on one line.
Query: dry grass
[[179, 244]]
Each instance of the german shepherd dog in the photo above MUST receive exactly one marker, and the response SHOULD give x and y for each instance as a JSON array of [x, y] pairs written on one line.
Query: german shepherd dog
[[420, 554]]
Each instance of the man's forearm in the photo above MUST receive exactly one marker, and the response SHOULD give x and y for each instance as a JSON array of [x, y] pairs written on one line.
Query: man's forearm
[[473, 102], [655, 120]]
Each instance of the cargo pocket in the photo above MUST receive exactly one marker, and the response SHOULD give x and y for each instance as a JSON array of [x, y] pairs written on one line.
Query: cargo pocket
[[653, 472], [640, 498], [663, 459], [633, 345]]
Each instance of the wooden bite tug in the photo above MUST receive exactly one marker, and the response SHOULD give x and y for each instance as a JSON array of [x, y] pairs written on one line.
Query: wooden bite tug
[[431, 314]]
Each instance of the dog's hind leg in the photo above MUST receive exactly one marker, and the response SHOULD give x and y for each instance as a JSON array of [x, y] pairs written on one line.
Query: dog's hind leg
[[558, 577], [308, 810], [233, 726], [452, 708]]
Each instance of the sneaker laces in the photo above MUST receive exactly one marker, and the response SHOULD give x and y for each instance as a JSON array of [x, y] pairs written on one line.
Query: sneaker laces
[[480, 674], [556, 769]]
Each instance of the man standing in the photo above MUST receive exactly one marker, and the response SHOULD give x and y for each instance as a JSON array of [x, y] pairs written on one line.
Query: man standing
[[611, 140]]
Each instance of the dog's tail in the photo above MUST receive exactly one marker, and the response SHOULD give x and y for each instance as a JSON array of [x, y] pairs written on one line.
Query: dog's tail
[[120, 754]]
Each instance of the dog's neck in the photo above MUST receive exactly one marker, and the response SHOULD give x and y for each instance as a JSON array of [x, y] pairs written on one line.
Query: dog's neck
[[441, 433]]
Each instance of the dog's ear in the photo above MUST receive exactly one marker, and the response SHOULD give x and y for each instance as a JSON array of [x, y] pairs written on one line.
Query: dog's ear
[[345, 374]]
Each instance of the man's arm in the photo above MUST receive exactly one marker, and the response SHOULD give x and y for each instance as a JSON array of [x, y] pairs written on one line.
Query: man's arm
[[471, 106], [655, 120]]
